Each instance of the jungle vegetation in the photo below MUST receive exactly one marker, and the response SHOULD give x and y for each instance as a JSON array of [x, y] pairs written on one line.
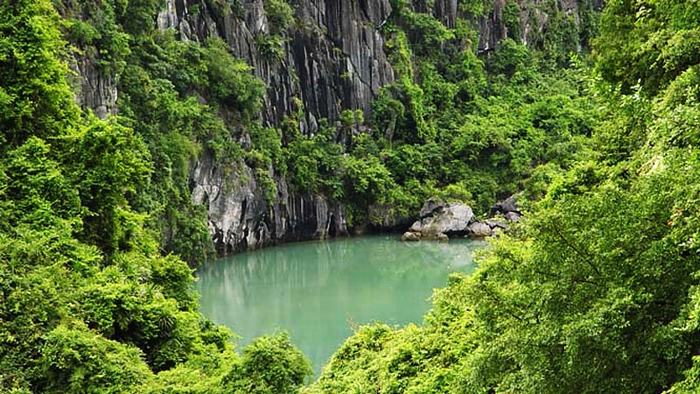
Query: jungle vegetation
[[597, 125]]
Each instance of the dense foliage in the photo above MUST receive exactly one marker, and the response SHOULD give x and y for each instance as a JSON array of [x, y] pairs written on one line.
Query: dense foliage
[[597, 291], [87, 301], [454, 124]]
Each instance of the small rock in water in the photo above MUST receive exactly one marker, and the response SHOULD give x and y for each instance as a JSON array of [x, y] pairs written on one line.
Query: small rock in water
[[410, 236], [441, 237]]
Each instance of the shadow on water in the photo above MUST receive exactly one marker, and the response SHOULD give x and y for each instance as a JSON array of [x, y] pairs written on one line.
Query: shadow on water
[[317, 291]]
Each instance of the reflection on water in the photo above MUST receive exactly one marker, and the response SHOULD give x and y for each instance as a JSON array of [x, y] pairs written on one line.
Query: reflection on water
[[317, 291]]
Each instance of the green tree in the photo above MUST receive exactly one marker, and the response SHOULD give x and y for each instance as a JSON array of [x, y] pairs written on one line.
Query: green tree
[[35, 99], [269, 365]]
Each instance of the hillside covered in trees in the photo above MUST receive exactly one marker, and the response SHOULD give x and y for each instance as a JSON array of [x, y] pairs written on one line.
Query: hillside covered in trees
[[140, 137]]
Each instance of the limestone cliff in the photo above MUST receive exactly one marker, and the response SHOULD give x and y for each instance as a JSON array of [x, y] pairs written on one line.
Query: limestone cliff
[[240, 217], [333, 58]]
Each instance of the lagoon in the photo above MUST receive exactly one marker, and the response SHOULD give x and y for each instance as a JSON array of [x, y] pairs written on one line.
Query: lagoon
[[319, 291]]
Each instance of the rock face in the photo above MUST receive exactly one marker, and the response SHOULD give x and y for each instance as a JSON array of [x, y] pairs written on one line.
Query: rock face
[[241, 218], [97, 89], [333, 58]]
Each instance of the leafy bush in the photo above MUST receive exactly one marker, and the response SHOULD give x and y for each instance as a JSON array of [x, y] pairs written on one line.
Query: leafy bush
[[269, 365], [279, 14], [271, 47], [230, 79], [75, 359]]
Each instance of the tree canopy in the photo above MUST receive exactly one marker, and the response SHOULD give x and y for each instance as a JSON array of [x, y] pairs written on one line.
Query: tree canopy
[[595, 291]]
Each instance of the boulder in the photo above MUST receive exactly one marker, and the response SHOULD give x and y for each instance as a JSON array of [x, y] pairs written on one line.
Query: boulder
[[446, 219], [430, 206], [442, 237], [409, 236], [496, 223], [512, 216], [506, 206], [480, 230]]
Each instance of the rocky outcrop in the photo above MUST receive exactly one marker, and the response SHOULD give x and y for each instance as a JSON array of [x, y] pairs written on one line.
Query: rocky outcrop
[[443, 218], [97, 89], [440, 220], [508, 208], [532, 18], [241, 218], [332, 59]]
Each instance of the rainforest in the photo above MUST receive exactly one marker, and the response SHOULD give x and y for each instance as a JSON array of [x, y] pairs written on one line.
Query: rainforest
[[140, 140]]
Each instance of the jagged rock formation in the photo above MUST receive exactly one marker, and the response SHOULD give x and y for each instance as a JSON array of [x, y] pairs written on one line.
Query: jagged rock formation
[[241, 218], [333, 59], [98, 90]]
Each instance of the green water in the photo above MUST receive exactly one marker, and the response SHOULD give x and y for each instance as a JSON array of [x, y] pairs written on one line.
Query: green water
[[318, 291]]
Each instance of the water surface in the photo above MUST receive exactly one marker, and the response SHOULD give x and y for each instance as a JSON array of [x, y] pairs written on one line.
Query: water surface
[[319, 291]]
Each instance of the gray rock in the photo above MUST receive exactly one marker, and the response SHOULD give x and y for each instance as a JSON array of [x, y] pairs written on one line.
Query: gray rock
[[480, 230], [442, 237], [449, 218], [512, 216], [410, 236], [430, 206], [96, 88], [506, 206], [333, 57], [240, 217], [496, 223]]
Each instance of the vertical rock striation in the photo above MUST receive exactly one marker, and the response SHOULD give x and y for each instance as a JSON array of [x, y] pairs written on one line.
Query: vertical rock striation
[[333, 58], [240, 217]]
